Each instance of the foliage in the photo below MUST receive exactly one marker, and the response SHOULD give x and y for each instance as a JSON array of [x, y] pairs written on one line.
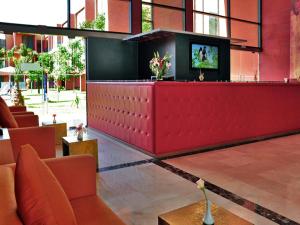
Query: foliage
[[87, 25], [76, 54], [68, 60], [2, 56], [97, 24], [2, 53], [146, 19], [10, 54], [61, 66], [47, 62]]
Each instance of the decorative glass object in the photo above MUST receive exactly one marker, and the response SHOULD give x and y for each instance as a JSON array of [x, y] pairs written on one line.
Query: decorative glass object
[[208, 218], [80, 129], [54, 119]]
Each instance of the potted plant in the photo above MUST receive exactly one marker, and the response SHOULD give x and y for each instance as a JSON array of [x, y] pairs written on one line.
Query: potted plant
[[160, 66]]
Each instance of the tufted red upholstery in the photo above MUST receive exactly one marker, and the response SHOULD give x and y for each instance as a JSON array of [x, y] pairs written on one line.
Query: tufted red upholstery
[[190, 115], [123, 111]]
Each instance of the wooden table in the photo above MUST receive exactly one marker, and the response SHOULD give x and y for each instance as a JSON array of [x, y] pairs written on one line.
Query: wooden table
[[72, 146], [60, 130], [193, 215]]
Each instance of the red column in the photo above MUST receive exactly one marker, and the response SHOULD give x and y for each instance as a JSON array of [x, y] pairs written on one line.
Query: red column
[[90, 10], [73, 21], [136, 16], [189, 22]]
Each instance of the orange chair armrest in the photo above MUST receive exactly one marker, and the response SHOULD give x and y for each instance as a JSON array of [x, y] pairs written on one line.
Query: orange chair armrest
[[27, 120], [22, 113], [17, 108], [76, 174]]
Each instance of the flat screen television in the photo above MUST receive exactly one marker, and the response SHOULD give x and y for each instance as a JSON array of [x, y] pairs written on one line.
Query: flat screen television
[[204, 56]]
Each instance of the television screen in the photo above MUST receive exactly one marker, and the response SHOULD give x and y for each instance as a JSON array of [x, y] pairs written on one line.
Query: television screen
[[204, 57]]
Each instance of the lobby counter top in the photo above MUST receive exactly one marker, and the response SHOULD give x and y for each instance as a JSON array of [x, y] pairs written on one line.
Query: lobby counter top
[[169, 117]]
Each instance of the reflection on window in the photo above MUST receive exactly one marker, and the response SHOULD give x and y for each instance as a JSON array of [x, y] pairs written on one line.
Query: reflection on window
[[165, 14], [244, 66], [147, 22], [210, 24]]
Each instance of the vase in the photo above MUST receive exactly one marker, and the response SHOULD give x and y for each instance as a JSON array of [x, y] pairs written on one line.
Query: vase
[[54, 120], [80, 135], [208, 218]]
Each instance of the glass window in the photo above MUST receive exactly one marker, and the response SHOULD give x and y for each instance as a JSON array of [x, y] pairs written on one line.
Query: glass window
[[212, 25], [154, 16], [211, 6], [34, 12], [167, 18], [116, 14], [173, 3], [78, 17], [28, 40], [147, 23], [245, 10], [244, 65], [245, 31]]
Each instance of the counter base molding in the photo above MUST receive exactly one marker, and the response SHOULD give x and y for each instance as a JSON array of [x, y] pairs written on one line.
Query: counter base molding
[[164, 118]]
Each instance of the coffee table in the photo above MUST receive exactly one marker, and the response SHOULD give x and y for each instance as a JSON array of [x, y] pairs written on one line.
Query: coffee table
[[60, 130], [72, 146], [193, 215]]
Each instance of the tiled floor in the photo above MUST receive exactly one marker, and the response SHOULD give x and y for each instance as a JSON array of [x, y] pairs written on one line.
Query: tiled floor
[[266, 173]]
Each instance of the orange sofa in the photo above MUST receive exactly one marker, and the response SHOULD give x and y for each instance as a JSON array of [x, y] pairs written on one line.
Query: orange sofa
[[23, 129], [77, 176], [16, 116]]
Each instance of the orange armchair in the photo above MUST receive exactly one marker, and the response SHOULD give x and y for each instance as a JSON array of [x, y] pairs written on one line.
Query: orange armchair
[[27, 120], [42, 139], [77, 176], [16, 116]]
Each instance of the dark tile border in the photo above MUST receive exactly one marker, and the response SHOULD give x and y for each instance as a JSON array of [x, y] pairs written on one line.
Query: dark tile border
[[124, 165], [258, 209]]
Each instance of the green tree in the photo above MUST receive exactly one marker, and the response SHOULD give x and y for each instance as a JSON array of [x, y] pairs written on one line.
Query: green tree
[[2, 57], [146, 19], [99, 22]]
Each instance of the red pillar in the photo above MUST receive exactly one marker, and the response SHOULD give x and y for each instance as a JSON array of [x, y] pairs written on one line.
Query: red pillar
[[136, 16], [90, 10], [189, 22]]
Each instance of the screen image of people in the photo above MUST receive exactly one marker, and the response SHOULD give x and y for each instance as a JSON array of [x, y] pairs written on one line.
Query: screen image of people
[[204, 56]]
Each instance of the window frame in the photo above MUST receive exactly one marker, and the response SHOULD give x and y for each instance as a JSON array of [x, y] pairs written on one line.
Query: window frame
[[228, 19], [152, 5]]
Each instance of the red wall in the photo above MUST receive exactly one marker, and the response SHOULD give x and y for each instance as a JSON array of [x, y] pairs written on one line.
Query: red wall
[[118, 19], [275, 58]]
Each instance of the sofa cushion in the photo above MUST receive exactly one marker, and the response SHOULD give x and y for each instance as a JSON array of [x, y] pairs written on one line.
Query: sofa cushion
[[93, 211], [7, 119], [40, 197]]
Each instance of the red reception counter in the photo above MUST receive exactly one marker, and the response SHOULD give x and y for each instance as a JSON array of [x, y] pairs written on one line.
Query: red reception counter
[[164, 118]]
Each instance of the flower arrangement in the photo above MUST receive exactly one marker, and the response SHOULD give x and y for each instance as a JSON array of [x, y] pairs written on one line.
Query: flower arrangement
[[54, 120], [207, 219], [160, 66], [80, 129]]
